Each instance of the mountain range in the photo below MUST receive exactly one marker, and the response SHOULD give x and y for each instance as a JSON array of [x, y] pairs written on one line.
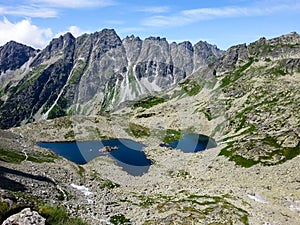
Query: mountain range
[[99, 87], [91, 74]]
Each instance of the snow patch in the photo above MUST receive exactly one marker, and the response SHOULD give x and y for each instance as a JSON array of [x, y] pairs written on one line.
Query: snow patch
[[295, 207], [83, 189], [256, 197]]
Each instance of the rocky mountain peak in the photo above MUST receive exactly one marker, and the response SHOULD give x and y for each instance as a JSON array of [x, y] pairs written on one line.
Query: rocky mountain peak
[[206, 53], [56, 48], [13, 55], [187, 45]]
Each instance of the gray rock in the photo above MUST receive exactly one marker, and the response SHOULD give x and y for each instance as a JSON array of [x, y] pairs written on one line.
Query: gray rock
[[25, 217]]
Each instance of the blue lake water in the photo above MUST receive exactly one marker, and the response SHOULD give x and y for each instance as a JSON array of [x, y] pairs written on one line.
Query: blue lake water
[[192, 143], [129, 154]]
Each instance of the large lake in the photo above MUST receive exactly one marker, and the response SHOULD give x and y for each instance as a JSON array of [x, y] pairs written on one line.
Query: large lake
[[129, 154]]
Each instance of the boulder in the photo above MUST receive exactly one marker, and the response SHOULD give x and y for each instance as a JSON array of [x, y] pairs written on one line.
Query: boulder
[[25, 217]]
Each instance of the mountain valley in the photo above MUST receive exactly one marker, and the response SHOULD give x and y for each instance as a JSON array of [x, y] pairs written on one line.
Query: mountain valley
[[99, 87]]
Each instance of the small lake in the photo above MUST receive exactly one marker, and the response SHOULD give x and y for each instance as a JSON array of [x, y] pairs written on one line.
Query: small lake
[[192, 143], [128, 154]]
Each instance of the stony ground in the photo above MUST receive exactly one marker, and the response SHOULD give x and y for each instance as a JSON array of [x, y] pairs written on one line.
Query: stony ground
[[179, 188]]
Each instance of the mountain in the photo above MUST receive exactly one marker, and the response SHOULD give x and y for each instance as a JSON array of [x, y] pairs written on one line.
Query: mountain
[[247, 99], [13, 55], [93, 73]]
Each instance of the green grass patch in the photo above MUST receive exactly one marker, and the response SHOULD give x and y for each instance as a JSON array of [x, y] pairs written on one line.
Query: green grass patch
[[235, 75], [241, 161], [57, 215], [70, 135], [77, 73], [148, 102], [171, 136], [190, 87], [14, 156], [119, 219], [139, 130], [32, 76], [109, 184]]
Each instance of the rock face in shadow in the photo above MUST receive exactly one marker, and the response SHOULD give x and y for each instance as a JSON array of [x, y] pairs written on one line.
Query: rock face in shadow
[[92, 73], [13, 55]]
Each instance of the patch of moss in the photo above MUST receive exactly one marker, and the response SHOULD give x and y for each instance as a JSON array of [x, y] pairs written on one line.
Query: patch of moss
[[109, 184], [57, 215], [80, 171], [77, 72], [139, 130], [171, 136], [4, 209], [190, 87], [236, 74], [70, 135], [148, 102], [15, 156], [119, 219], [32, 76]]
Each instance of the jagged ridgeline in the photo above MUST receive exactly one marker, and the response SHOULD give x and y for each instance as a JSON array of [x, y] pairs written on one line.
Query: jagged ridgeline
[[90, 74]]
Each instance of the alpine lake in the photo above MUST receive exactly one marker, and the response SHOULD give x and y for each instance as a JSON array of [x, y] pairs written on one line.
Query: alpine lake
[[128, 154]]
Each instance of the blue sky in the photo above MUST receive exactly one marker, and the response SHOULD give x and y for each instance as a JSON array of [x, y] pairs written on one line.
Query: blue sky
[[223, 22]]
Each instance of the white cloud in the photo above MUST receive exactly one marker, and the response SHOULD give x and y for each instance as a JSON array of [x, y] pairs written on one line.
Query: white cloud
[[194, 15], [24, 32], [74, 30], [29, 11], [158, 9], [75, 3]]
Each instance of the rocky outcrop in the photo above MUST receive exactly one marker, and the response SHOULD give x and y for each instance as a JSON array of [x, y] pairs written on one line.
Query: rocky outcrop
[[25, 217]]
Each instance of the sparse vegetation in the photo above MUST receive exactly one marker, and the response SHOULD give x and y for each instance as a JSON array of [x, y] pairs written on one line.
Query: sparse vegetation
[[119, 219], [15, 156], [188, 208], [57, 215], [190, 87], [70, 135], [56, 111], [148, 102], [109, 184], [139, 130], [236, 74], [171, 136]]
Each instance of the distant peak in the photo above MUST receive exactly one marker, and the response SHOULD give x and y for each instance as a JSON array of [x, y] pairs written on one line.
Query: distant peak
[[156, 39], [132, 38]]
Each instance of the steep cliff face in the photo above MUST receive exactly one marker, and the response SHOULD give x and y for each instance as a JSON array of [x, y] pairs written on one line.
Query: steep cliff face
[[93, 73]]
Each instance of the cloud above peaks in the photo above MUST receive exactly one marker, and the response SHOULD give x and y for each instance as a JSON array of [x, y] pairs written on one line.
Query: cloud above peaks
[[75, 3], [29, 11], [158, 9], [24, 32], [74, 30]]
